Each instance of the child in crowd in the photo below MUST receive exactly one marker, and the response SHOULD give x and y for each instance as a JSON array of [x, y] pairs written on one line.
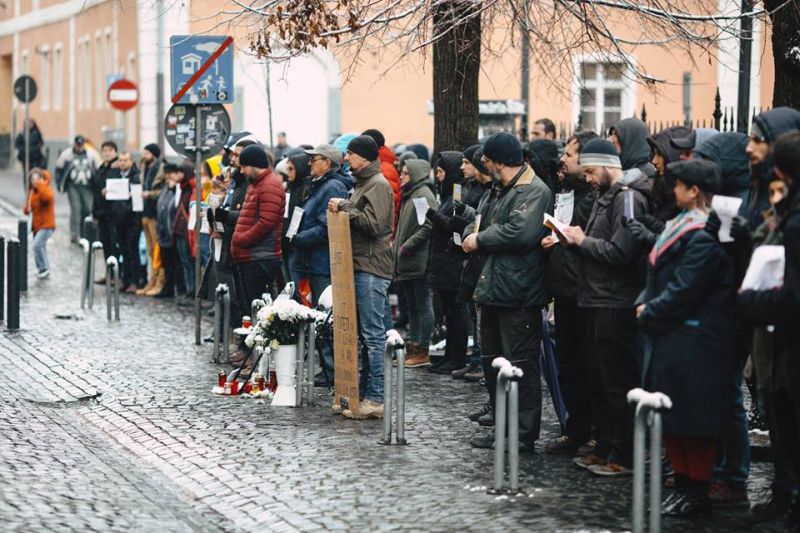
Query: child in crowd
[[41, 203]]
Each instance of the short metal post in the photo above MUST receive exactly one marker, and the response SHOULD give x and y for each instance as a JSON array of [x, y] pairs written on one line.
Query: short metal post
[[255, 305], [22, 232], [499, 434], [85, 280], [298, 371], [311, 364], [217, 319], [226, 323], [513, 436], [387, 395], [12, 322], [638, 470], [2, 276], [111, 283], [96, 246], [400, 352], [655, 471]]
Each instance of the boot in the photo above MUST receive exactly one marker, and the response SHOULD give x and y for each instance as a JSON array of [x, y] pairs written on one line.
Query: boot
[[150, 284], [419, 358], [158, 285], [410, 348]]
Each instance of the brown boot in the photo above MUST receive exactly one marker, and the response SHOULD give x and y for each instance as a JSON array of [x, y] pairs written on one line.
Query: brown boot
[[150, 284], [158, 286], [419, 358], [411, 349]]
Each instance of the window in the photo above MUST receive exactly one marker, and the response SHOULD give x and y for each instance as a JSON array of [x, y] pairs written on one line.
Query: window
[[58, 76], [603, 94], [45, 66]]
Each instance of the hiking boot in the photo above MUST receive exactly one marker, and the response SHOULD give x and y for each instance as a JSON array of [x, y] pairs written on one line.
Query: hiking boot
[[724, 493], [588, 460], [562, 444], [366, 409], [474, 375], [487, 408], [459, 374], [419, 357], [487, 420], [611, 470]]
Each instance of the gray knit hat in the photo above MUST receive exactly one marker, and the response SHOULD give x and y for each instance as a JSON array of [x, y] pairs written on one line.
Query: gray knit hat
[[599, 153]]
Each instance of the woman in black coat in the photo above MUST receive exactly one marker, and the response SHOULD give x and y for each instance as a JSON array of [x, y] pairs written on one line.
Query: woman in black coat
[[445, 261], [687, 312]]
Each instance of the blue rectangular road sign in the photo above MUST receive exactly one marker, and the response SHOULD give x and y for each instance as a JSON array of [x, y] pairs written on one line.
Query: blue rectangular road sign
[[190, 54]]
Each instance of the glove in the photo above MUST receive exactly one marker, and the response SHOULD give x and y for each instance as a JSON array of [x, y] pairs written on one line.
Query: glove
[[713, 224], [458, 223], [740, 230], [221, 215], [640, 232], [437, 218], [652, 223], [459, 208]]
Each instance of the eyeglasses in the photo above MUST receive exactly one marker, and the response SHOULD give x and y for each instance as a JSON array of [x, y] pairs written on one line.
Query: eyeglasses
[[315, 159]]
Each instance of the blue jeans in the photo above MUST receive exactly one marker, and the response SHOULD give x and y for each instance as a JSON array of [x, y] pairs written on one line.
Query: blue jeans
[[187, 264], [40, 249], [733, 447], [371, 308]]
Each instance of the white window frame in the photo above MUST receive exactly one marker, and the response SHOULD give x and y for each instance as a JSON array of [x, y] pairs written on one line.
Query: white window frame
[[58, 76], [45, 76], [626, 84]]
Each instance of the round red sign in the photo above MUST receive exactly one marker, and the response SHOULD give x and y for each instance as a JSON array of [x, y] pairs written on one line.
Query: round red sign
[[123, 95]]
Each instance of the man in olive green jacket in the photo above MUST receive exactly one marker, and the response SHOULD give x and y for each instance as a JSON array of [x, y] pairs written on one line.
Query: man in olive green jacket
[[411, 257], [510, 291], [371, 213]]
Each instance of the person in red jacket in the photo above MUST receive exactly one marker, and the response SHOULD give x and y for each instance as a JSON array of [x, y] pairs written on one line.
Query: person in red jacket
[[41, 203], [256, 242], [389, 171]]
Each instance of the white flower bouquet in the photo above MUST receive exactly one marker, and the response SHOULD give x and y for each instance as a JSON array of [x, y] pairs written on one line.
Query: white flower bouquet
[[277, 323]]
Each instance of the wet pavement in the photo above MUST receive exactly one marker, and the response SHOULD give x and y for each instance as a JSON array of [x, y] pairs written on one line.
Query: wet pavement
[[112, 426]]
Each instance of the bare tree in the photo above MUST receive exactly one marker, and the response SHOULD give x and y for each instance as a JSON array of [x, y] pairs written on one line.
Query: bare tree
[[560, 30]]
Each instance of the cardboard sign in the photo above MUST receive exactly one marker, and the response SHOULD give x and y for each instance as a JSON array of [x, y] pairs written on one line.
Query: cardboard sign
[[345, 334]]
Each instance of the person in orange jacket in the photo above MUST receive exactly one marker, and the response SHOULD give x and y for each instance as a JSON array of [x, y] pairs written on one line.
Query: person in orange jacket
[[41, 203]]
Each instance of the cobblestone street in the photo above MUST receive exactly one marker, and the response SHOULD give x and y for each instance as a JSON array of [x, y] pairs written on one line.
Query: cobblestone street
[[112, 426]]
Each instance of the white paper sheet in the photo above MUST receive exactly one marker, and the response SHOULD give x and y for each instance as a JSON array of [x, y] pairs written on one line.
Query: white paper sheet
[[766, 269], [286, 206], [421, 205], [457, 238], [117, 189], [726, 207], [217, 249], [557, 226], [564, 208], [294, 224], [137, 202], [193, 216]]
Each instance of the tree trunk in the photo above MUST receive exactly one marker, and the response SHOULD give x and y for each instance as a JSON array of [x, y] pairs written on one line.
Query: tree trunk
[[456, 66], [786, 53]]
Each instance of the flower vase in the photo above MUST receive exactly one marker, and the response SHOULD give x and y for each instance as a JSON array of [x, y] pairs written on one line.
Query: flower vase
[[285, 359]]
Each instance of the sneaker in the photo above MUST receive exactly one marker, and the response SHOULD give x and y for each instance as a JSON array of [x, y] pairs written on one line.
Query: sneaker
[[44, 274], [366, 409], [588, 460], [587, 448], [725, 493], [562, 444], [610, 470], [475, 375], [480, 412]]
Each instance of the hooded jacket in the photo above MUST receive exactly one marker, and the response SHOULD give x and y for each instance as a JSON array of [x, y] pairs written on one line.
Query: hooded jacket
[[663, 196], [257, 236], [389, 171], [165, 216], [41, 203], [411, 240], [613, 261], [727, 150], [371, 212], [632, 134], [544, 159], [297, 192], [310, 245], [446, 259]]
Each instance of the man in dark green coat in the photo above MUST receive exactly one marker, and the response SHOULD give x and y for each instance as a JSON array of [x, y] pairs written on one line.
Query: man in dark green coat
[[511, 290]]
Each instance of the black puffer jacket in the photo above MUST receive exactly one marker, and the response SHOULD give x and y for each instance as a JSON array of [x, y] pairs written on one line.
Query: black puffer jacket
[[632, 134], [542, 155], [663, 196], [229, 215], [445, 258]]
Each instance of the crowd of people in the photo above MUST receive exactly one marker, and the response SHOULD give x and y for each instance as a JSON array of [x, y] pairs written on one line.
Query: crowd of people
[[606, 244]]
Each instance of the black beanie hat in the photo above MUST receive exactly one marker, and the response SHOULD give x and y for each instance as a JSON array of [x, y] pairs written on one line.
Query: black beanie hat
[[701, 172], [365, 146], [254, 156], [473, 154], [153, 149], [503, 148], [171, 167], [376, 135]]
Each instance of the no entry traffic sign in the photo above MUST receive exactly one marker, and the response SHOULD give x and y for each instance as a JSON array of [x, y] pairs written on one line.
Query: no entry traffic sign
[[123, 95]]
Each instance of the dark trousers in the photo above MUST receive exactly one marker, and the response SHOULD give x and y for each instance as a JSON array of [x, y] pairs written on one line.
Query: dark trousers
[[457, 324], [515, 333], [611, 343], [784, 414], [172, 269], [254, 278], [120, 238], [575, 375]]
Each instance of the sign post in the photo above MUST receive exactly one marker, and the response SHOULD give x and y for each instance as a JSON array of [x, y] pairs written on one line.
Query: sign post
[[202, 79], [123, 95], [25, 90]]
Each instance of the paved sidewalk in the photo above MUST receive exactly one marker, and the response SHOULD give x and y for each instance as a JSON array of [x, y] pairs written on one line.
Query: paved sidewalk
[[111, 426]]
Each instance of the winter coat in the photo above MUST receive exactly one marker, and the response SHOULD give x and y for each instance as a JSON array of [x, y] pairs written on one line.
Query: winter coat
[[186, 188], [564, 270], [544, 159], [41, 203], [389, 171], [310, 245], [727, 150], [612, 260], [165, 217], [781, 307], [663, 196], [35, 144], [411, 242], [152, 182], [513, 274], [445, 260], [112, 210], [371, 212], [258, 231], [75, 169], [228, 214], [297, 192], [632, 134], [689, 317], [472, 191]]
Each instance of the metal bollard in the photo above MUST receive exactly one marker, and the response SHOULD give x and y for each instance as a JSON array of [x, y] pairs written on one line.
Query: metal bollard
[[22, 234], [394, 346], [96, 246], [85, 280], [255, 305], [299, 362], [648, 413], [222, 321], [112, 289], [506, 414], [12, 322], [311, 364], [2, 276]]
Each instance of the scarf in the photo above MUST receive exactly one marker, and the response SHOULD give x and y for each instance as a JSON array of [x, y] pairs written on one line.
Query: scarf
[[676, 228]]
